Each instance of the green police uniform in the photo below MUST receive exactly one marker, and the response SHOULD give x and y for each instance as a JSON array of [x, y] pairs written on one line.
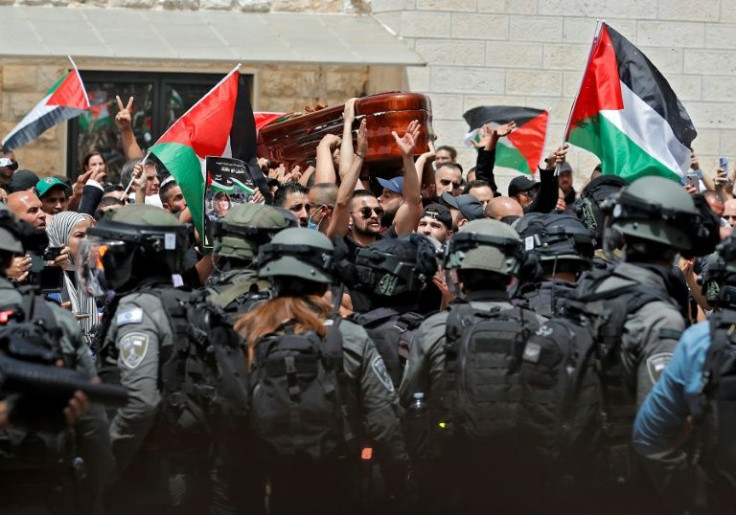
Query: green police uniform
[[300, 261], [44, 480], [426, 363], [379, 403], [651, 334], [156, 470], [237, 237], [139, 330]]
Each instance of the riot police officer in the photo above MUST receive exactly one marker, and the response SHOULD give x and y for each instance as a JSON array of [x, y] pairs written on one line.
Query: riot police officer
[[319, 380], [655, 219], [135, 253], [234, 286], [44, 468], [695, 392], [558, 249], [393, 274], [461, 362]]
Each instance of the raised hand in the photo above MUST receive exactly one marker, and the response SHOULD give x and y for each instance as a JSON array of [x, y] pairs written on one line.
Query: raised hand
[[331, 140], [362, 145], [138, 178], [408, 142], [349, 112], [125, 114], [485, 134], [557, 156], [505, 129]]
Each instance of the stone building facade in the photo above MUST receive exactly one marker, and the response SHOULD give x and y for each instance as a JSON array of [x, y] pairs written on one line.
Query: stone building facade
[[276, 87], [478, 52], [533, 52]]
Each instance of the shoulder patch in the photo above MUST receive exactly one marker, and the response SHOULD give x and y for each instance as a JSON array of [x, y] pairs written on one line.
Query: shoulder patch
[[133, 348], [531, 352], [656, 364], [131, 316], [379, 368]]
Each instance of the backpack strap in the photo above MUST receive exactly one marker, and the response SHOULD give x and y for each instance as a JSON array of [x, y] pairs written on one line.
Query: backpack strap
[[722, 324], [237, 290], [722, 335], [171, 376], [616, 389], [370, 318], [348, 407]]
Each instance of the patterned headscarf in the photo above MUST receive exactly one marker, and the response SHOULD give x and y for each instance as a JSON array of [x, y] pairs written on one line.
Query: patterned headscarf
[[59, 230]]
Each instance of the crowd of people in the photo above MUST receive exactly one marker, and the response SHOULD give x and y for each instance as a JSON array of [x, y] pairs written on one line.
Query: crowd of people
[[412, 341]]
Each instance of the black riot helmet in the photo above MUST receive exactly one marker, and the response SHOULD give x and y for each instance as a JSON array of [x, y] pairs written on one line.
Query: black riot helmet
[[588, 207], [128, 245], [395, 267], [718, 277], [559, 242]]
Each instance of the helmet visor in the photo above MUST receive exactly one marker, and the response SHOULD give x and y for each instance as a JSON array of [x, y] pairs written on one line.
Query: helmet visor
[[101, 265]]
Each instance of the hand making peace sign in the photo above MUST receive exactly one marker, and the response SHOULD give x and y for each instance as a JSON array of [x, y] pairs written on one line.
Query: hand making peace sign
[[125, 114]]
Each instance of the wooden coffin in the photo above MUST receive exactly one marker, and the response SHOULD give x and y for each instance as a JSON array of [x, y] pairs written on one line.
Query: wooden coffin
[[295, 140]]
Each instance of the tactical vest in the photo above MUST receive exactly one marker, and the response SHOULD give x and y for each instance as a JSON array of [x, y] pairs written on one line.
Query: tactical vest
[[392, 333], [239, 298], [202, 375], [480, 386], [578, 401], [544, 298], [300, 411]]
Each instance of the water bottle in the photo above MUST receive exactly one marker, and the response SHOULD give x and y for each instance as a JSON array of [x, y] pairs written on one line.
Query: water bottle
[[419, 426]]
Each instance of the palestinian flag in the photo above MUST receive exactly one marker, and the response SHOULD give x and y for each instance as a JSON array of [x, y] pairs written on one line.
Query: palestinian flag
[[220, 124], [627, 114], [522, 149], [65, 100], [98, 114]]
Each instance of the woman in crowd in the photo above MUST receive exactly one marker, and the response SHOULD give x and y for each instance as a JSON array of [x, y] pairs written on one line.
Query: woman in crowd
[[68, 228]]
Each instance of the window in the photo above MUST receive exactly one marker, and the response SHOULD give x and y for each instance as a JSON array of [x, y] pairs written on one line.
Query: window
[[160, 99]]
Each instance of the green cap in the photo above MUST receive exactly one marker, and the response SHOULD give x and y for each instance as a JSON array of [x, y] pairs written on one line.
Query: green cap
[[44, 185]]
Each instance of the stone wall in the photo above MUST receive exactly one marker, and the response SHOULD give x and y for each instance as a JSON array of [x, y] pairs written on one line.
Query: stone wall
[[533, 52], [276, 88]]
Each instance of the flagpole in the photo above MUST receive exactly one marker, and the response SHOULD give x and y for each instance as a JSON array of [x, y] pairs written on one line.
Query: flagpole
[[133, 178], [79, 76], [598, 27]]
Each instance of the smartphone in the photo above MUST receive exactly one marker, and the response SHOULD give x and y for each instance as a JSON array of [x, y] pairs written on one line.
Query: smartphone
[[692, 180], [723, 163], [52, 253]]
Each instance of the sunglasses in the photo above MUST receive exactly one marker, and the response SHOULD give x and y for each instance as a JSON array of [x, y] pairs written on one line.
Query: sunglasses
[[729, 217], [366, 211], [447, 182]]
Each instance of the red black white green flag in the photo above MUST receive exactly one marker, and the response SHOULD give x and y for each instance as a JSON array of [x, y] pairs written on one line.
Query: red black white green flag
[[220, 124], [522, 149], [627, 114], [65, 100]]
